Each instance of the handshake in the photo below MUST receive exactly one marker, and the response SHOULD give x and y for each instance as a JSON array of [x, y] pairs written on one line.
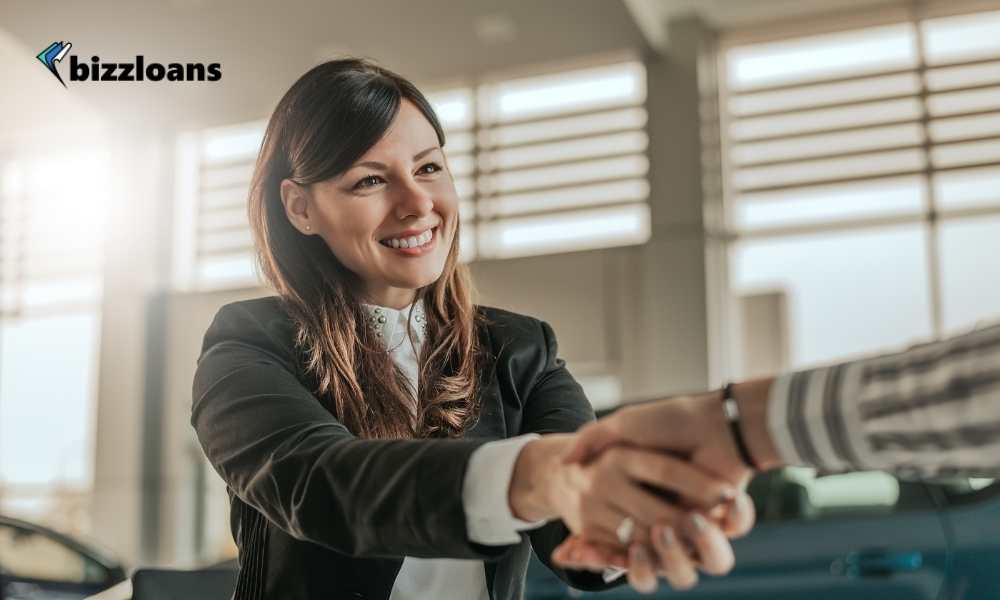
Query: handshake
[[657, 488]]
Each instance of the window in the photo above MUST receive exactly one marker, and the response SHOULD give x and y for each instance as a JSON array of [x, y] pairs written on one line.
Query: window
[[52, 213], [861, 171], [562, 162], [212, 242], [542, 164]]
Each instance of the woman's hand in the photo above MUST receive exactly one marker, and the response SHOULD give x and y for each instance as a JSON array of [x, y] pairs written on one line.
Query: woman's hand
[[593, 498], [672, 552]]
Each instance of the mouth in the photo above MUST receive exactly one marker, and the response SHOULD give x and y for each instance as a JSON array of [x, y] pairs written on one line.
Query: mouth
[[414, 245]]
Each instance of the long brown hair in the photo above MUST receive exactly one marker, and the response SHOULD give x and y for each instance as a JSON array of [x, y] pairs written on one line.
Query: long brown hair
[[324, 123]]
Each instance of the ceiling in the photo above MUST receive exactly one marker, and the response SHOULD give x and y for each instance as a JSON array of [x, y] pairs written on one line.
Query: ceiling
[[264, 46], [650, 15]]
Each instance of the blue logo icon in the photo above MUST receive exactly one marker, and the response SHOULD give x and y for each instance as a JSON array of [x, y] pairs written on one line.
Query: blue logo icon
[[53, 54]]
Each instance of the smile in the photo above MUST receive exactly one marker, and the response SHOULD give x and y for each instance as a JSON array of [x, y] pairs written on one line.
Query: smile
[[413, 245]]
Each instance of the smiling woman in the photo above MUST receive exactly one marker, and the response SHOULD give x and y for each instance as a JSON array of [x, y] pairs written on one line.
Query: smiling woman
[[379, 434], [366, 165]]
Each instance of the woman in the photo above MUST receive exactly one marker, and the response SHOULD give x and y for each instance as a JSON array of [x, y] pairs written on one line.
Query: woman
[[370, 412]]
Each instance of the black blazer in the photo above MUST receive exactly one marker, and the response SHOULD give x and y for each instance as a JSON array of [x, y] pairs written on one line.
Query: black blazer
[[318, 513]]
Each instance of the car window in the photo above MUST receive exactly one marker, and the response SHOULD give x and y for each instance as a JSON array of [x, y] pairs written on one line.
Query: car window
[[26, 553], [799, 493]]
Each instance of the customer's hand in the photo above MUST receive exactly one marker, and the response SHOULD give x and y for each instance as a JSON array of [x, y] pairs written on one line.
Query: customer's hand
[[692, 427], [675, 553], [593, 498]]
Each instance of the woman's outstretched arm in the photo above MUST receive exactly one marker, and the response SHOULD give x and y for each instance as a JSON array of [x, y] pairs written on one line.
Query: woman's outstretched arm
[[285, 455]]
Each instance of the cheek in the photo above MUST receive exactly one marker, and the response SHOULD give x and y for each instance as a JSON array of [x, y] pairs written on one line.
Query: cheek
[[446, 200], [350, 240]]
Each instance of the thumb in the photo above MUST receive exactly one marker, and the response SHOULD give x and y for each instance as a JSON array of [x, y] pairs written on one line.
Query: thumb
[[590, 440]]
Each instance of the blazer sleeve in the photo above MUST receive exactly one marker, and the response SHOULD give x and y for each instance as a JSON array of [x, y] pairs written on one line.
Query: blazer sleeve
[[557, 404], [286, 456]]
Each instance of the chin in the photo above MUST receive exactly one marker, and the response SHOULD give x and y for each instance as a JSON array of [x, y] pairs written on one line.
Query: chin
[[414, 282]]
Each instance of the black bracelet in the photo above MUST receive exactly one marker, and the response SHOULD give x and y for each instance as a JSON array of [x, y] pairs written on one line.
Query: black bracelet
[[732, 412]]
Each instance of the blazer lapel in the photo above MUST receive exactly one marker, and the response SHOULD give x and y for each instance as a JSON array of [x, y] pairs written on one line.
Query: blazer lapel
[[491, 423]]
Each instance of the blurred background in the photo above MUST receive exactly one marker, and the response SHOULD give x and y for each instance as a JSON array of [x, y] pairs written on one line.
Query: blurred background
[[688, 191]]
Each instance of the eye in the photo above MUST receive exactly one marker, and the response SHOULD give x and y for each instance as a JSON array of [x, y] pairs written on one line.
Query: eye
[[435, 168], [367, 182]]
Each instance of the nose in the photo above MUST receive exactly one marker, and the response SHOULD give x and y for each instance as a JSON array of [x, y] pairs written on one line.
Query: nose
[[413, 200]]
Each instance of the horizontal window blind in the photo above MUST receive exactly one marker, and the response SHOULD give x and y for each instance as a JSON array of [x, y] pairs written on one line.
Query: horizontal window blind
[[563, 162], [542, 164], [880, 124], [455, 109], [212, 244], [52, 226], [861, 174]]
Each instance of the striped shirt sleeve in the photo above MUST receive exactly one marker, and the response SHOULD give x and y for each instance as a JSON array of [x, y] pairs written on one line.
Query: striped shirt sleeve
[[932, 410]]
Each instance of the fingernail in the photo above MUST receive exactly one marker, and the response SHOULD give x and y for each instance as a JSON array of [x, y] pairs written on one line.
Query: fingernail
[[741, 503], [639, 554], [727, 495], [669, 537], [699, 522]]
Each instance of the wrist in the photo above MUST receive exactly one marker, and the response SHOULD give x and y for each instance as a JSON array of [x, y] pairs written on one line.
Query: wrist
[[752, 399], [531, 496]]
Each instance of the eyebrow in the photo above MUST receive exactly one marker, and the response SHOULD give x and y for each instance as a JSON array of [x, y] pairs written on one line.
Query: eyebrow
[[377, 165]]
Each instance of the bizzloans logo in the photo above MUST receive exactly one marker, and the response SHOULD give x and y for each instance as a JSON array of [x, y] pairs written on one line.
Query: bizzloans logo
[[140, 70]]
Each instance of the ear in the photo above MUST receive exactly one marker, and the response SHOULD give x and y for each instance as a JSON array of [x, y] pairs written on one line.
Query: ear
[[295, 199]]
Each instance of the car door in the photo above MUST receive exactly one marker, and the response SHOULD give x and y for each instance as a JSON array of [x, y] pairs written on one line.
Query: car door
[[972, 516], [853, 535], [838, 537]]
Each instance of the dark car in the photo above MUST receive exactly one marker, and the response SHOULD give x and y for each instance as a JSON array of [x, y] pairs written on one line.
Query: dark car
[[848, 536], [37, 563]]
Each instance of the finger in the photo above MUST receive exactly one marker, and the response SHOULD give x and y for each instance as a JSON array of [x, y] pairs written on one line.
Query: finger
[[597, 557], [562, 553], [590, 553], [591, 440], [592, 557], [645, 506], [739, 519], [675, 564], [663, 471], [714, 552], [568, 554], [601, 523], [641, 573]]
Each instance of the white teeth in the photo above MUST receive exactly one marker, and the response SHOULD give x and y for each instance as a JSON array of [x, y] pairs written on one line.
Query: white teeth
[[412, 241]]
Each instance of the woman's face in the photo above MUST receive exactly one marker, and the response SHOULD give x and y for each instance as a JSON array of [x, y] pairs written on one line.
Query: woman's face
[[391, 217]]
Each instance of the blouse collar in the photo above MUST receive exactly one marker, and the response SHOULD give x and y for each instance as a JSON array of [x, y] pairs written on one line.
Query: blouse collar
[[389, 324]]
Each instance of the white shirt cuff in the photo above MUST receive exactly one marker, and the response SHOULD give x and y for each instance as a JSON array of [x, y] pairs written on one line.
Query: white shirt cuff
[[612, 573], [485, 492]]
